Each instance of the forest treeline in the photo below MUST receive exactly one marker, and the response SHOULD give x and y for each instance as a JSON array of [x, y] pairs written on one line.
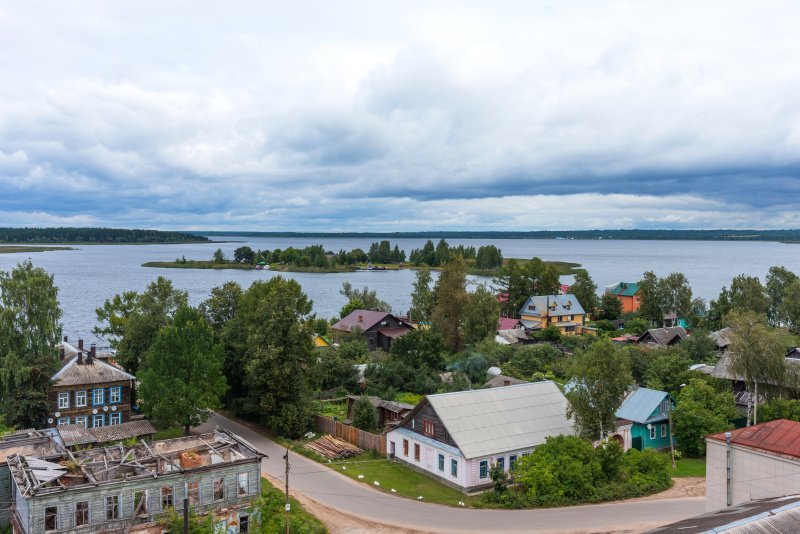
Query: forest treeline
[[94, 235]]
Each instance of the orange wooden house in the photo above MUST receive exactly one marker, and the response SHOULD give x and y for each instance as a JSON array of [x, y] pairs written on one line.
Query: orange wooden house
[[628, 295]]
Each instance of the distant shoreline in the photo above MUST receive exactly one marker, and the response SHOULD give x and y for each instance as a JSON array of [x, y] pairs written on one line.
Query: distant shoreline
[[791, 236], [563, 267], [18, 249]]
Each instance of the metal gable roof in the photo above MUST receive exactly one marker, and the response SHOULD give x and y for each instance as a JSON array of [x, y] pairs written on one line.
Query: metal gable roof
[[625, 289], [639, 404], [547, 305], [97, 372], [488, 421]]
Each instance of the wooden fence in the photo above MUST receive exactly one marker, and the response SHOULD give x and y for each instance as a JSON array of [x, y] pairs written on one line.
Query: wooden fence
[[351, 434]]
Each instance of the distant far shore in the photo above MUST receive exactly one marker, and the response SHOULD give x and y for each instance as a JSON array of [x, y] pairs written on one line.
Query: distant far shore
[[785, 236], [563, 267], [14, 249]]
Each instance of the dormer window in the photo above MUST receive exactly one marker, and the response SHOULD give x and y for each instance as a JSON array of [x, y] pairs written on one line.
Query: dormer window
[[531, 307]]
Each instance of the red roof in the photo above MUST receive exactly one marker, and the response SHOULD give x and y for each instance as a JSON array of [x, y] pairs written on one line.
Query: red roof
[[363, 319], [507, 323], [780, 436]]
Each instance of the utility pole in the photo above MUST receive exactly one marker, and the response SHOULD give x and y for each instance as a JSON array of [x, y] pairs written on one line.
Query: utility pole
[[288, 506], [185, 515], [671, 443]]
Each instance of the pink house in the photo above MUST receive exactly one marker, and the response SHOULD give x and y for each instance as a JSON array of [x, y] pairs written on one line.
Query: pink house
[[457, 437]]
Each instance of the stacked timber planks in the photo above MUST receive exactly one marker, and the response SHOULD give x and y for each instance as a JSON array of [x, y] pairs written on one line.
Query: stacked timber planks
[[333, 448]]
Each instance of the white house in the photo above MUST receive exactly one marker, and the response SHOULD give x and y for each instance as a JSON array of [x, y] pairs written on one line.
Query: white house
[[764, 463], [456, 437]]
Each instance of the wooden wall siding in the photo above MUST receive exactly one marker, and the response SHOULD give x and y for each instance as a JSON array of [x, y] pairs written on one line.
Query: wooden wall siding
[[439, 431], [123, 407], [31, 510], [351, 434], [5, 493]]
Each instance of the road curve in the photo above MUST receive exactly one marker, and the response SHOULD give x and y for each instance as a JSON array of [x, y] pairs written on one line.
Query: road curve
[[341, 493]]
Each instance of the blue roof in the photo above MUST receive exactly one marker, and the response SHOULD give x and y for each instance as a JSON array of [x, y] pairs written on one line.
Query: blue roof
[[640, 404], [547, 305]]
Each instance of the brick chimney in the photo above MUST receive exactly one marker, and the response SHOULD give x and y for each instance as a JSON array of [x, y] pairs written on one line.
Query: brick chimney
[[80, 344], [360, 318], [90, 358], [80, 358], [62, 354], [66, 339], [93, 351], [506, 382]]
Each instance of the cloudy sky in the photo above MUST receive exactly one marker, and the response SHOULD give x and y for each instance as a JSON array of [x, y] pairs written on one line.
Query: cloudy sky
[[400, 115]]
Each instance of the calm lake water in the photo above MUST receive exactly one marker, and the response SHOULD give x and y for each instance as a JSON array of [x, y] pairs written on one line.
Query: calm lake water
[[90, 274]]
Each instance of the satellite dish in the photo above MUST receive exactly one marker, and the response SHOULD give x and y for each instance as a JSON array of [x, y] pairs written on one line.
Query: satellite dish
[[58, 414], [94, 411], [649, 426], [50, 421], [113, 408], [105, 408]]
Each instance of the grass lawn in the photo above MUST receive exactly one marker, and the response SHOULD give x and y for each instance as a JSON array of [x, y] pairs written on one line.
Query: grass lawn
[[689, 467], [169, 433], [332, 409]]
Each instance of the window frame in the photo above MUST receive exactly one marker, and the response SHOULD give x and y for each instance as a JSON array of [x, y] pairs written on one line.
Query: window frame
[[62, 421], [217, 484], [63, 400], [405, 448], [101, 397], [116, 391], [83, 514], [417, 452], [114, 509], [501, 461], [245, 487], [483, 469], [84, 419], [51, 515], [429, 428], [81, 395], [663, 430], [170, 496], [652, 432], [193, 492], [454, 468], [98, 417], [144, 494], [440, 464], [512, 460], [113, 416]]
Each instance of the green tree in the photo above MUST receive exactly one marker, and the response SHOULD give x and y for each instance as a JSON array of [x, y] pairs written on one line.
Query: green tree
[[29, 330], [364, 415], [134, 319], [530, 359], [778, 281], [422, 297], [221, 306], [601, 375], [789, 309], [747, 293], [480, 315], [778, 408], [218, 257], [637, 326], [757, 353], [676, 294], [244, 255], [585, 290], [451, 301], [420, 348], [610, 307], [488, 257], [277, 350], [669, 370], [700, 347], [183, 380], [701, 410], [521, 281], [362, 299], [650, 299]]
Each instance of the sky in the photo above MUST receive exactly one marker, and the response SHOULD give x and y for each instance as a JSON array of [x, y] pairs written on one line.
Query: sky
[[400, 116]]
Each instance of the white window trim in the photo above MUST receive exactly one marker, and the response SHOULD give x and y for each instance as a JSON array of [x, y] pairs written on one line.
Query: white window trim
[[88, 513], [57, 518], [82, 419], [63, 421], [115, 416], [63, 400], [652, 432], [115, 395], [663, 430], [78, 396], [480, 465], [246, 484], [102, 395]]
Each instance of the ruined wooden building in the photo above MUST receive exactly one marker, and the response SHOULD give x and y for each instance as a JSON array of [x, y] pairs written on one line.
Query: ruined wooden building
[[124, 489]]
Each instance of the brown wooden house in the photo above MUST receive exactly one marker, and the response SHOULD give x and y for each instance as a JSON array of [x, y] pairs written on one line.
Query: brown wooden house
[[379, 328], [90, 392]]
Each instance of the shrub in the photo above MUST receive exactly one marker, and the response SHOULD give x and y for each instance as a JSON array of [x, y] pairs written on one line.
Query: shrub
[[364, 414]]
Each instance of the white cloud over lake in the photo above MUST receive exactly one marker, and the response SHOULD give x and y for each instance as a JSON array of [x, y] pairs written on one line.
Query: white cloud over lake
[[400, 115]]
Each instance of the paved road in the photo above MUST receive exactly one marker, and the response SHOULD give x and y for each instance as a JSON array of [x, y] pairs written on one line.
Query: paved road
[[337, 491]]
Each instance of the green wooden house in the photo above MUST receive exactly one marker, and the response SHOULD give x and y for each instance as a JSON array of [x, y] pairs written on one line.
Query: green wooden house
[[644, 419]]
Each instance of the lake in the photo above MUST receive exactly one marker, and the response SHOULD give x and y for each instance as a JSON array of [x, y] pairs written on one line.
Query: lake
[[92, 273]]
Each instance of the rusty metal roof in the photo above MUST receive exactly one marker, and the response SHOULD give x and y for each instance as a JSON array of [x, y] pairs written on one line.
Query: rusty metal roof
[[780, 436], [363, 319]]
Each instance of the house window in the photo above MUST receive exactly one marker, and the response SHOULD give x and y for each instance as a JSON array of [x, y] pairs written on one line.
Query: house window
[[405, 447], [115, 396], [511, 461], [501, 463], [82, 420], [652, 432], [243, 483], [63, 421], [63, 400], [193, 493], [98, 420], [219, 489], [441, 462], [51, 518], [80, 398], [116, 419], [166, 497], [428, 427], [453, 468], [663, 430], [112, 507], [81, 513], [98, 396], [140, 503], [484, 469], [416, 452], [244, 523]]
